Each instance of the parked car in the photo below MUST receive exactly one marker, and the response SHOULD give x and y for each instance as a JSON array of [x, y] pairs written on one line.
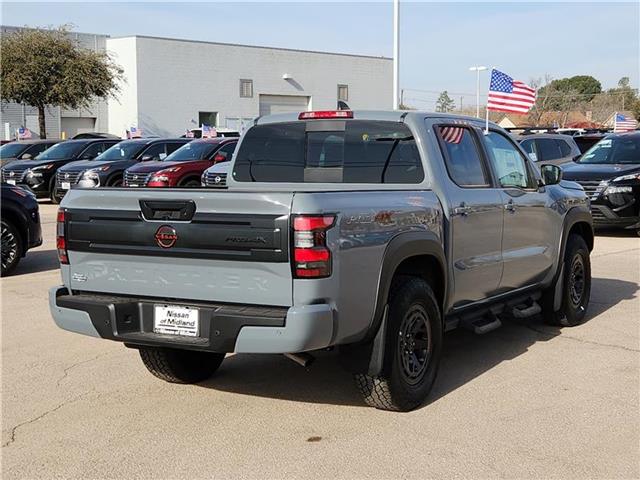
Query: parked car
[[216, 176], [107, 169], [23, 150], [220, 132], [373, 232], [39, 174], [610, 174], [184, 167], [588, 140], [21, 229], [545, 148]]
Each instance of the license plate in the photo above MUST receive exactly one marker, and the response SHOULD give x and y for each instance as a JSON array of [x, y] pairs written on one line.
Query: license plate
[[176, 320], [65, 185], [11, 182]]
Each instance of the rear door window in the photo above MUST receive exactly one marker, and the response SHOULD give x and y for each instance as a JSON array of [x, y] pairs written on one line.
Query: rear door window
[[334, 151], [462, 157], [548, 149], [156, 152], [565, 149]]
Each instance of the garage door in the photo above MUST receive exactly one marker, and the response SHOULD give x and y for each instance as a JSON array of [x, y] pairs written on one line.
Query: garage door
[[282, 104], [74, 125]]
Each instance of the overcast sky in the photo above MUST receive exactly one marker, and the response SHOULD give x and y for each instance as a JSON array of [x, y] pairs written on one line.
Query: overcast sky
[[439, 41]]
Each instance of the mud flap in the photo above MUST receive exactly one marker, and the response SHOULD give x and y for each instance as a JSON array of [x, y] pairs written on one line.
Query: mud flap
[[367, 358]]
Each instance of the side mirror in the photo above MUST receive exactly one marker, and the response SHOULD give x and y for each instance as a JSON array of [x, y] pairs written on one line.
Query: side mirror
[[220, 157], [551, 174], [26, 156], [576, 158], [146, 158]]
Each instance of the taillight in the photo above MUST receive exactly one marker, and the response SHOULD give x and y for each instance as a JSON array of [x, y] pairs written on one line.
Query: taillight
[[61, 242], [311, 256], [325, 114]]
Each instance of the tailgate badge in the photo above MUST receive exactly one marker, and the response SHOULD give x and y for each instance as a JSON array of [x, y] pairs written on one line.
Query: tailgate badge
[[166, 236]]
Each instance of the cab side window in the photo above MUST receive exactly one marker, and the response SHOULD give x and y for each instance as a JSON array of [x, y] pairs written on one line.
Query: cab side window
[[228, 149], [37, 149], [508, 163], [462, 156]]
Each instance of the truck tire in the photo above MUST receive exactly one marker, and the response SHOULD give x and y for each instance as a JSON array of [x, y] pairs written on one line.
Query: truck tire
[[180, 366], [11, 247], [576, 288], [412, 350]]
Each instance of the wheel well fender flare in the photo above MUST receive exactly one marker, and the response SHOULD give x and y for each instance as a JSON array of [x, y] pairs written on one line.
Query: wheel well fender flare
[[367, 355]]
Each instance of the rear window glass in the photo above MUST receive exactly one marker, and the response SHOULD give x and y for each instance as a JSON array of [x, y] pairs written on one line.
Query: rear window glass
[[355, 151]]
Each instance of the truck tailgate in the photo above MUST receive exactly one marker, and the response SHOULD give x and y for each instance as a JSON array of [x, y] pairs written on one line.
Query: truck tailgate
[[230, 247]]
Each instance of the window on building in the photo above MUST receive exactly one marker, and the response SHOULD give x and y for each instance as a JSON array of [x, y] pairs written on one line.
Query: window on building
[[246, 88], [343, 93], [208, 118]]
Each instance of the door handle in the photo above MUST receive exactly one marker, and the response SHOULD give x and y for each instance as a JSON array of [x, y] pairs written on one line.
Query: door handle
[[510, 206], [463, 210]]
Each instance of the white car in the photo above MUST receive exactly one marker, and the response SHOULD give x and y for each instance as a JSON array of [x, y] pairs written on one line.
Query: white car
[[216, 176]]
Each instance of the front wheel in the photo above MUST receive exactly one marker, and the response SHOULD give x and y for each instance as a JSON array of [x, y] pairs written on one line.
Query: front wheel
[[11, 247], [412, 350], [193, 183], [576, 286], [180, 366], [54, 196]]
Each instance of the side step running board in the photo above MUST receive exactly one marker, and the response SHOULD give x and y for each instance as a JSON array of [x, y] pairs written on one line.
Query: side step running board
[[484, 324], [522, 311]]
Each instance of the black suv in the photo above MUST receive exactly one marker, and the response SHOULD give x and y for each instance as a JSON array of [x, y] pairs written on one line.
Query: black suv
[[21, 228], [39, 175], [610, 174], [108, 168], [23, 150]]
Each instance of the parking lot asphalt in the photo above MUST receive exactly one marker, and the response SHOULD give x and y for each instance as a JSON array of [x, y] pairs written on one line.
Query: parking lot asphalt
[[524, 401]]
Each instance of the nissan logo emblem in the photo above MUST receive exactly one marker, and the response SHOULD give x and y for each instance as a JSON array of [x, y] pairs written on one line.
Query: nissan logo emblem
[[66, 176], [166, 236], [218, 179], [12, 174], [135, 177]]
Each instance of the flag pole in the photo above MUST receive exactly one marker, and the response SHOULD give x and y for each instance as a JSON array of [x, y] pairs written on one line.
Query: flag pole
[[486, 108], [615, 120], [396, 53]]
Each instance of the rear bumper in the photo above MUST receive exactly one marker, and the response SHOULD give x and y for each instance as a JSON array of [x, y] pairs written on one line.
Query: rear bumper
[[223, 327]]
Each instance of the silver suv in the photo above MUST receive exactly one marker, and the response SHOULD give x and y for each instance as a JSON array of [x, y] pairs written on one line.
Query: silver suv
[[371, 232], [550, 148]]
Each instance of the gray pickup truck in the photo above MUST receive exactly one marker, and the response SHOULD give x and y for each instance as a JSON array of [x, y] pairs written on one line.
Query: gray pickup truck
[[370, 232]]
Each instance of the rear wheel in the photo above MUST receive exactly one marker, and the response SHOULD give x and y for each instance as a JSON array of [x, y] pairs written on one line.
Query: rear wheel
[[412, 350], [11, 247], [180, 366], [576, 287]]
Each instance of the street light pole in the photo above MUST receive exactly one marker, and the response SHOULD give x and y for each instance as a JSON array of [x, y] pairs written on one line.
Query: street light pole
[[396, 53], [477, 69]]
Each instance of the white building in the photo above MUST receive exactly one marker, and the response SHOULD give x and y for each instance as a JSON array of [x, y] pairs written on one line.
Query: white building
[[172, 85]]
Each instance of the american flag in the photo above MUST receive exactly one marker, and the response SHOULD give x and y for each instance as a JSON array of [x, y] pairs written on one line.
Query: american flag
[[622, 123], [452, 134], [135, 132], [509, 95], [208, 131], [24, 133]]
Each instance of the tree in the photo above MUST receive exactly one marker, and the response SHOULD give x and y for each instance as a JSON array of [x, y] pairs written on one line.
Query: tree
[[46, 68], [565, 92], [445, 103]]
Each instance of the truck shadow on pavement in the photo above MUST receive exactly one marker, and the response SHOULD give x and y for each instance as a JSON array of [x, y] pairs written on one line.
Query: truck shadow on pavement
[[37, 261], [466, 356]]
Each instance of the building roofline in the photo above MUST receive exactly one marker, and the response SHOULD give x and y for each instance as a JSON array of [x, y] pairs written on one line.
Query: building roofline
[[151, 37], [26, 27]]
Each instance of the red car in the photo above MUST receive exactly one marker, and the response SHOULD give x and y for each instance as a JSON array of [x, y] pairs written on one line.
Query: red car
[[183, 167]]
